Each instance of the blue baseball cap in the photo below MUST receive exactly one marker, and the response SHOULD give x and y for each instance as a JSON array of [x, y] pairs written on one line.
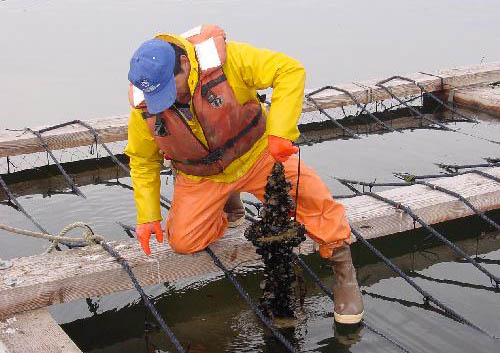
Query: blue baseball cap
[[152, 71]]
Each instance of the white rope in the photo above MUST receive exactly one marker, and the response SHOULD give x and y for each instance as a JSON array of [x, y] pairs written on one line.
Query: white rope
[[87, 236]]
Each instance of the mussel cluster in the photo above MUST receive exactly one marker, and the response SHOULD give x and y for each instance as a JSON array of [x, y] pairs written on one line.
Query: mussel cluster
[[274, 236]]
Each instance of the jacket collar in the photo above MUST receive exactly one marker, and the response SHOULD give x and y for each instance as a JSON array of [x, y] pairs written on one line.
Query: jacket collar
[[189, 48]]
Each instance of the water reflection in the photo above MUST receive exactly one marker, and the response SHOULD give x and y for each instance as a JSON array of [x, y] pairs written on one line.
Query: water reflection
[[491, 288], [211, 317]]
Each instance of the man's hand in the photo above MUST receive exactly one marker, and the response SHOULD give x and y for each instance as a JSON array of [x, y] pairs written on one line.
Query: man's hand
[[144, 231], [281, 148]]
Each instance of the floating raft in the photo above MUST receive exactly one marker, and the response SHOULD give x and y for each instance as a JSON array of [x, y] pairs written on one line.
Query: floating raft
[[34, 282], [485, 98], [114, 129], [34, 332], [80, 273]]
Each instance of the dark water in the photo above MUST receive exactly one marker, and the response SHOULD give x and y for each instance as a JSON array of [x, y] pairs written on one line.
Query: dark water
[[65, 60], [211, 317], [208, 314]]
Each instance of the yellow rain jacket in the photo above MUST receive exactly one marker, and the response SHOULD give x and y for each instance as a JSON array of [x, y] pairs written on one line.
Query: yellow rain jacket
[[247, 69]]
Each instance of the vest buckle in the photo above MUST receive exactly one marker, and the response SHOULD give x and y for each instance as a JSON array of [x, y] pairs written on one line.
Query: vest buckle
[[215, 100], [160, 129]]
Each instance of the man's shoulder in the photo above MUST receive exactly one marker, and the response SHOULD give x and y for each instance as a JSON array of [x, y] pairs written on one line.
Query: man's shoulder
[[240, 53], [235, 46]]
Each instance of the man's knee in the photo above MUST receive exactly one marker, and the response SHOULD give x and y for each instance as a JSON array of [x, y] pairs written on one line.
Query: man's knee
[[180, 243], [184, 241]]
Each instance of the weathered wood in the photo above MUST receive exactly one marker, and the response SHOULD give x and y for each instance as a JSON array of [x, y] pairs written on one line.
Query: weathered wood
[[34, 332], [316, 132], [111, 129], [69, 275], [485, 98], [367, 91]]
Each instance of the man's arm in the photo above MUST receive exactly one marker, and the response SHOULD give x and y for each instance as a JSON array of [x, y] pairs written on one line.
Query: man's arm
[[263, 68], [145, 165]]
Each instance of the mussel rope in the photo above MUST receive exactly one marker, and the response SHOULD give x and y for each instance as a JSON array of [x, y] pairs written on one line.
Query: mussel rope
[[311, 272], [250, 302]]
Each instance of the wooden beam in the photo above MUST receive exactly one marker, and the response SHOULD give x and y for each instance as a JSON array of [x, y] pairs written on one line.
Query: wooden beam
[[69, 275], [367, 91], [112, 129], [34, 332], [326, 130], [484, 97]]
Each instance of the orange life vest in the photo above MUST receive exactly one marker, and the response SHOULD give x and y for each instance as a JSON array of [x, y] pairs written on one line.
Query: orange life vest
[[230, 128]]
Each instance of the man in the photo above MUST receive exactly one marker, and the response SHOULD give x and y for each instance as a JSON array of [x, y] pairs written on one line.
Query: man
[[194, 102]]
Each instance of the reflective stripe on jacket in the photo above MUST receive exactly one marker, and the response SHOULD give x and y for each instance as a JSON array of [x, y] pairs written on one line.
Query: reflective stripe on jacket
[[247, 69]]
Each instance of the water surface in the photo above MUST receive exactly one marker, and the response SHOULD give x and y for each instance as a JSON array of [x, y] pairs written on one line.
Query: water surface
[[64, 60]]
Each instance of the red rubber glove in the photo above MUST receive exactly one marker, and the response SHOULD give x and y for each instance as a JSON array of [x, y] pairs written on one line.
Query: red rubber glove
[[144, 231], [281, 148]]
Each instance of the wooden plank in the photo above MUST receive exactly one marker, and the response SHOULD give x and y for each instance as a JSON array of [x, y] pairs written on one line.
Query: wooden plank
[[34, 332], [65, 276], [469, 75], [485, 98], [367, 91], [115, 128], [317, 132], [110, 129]]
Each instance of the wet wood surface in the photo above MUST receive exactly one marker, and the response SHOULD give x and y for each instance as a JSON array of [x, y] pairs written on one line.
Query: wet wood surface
[[485, 98], [60, 277], [368, 91], [34, 332], [112, 129]]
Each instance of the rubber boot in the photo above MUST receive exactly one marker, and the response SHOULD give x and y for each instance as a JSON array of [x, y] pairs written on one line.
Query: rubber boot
[[348, 308], [234, 210]]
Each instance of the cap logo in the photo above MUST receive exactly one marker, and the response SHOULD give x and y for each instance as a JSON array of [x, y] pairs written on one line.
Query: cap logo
[[147, 87], [145, 83]]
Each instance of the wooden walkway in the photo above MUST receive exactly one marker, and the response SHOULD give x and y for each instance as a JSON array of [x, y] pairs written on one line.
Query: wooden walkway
[[70, 275], [34, 332], [484, 97], [112, 129]]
